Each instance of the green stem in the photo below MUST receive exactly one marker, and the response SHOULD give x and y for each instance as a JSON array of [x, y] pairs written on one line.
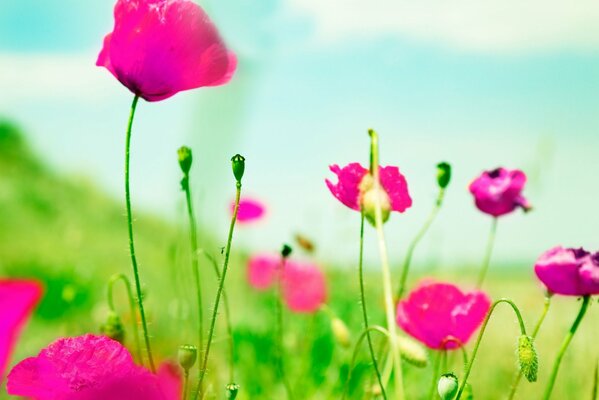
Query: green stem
[[185, 384], [595, 390], [219, 294], [365, 334], [130, 231], [564, 346], [534, 335], [488, 252], [279, 331], [427, 224], [229, 325], [436, 375], [375, 364], [386, 270], [480, 337], [193, 237], [125, 280]]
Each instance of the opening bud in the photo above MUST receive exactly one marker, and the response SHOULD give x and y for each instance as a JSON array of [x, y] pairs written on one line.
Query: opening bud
[[371, 195], [187, 356], [341, 332], [185, 159], [231, 391], [113, 327], [412, 351], [447, 386], [443, 174], [527, 358], [238, 164]]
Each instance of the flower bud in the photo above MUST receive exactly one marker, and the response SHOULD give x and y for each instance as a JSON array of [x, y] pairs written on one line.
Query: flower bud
[[412, 351], [443, 174], [232, 389], [527, 358], [371, 195], [286, 251], [187, 356], [238, 163], [447, 386], [341, 332], [113, 327], [185, 159]]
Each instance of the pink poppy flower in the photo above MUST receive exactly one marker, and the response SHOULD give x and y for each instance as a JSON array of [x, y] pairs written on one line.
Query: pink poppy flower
[[18, 298], [250, 210], [262, 270], [90, 367], [499, 192], [304, 286], [355, 189], [571, 272], [441, 316], [161, 47]]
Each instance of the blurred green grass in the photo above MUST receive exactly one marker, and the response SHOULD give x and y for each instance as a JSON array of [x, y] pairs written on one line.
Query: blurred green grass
[[67, 233]]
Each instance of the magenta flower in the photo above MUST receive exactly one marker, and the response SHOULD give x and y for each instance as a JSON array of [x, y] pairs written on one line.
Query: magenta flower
[[499, 192], [18, 298], [161, 47], [90, 367], [441, 316], [262, 270], [304, 286], [355, 189], [250, 210], [571, 272]]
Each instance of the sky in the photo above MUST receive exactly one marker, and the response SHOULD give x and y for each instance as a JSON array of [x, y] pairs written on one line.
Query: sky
[[477, 84]]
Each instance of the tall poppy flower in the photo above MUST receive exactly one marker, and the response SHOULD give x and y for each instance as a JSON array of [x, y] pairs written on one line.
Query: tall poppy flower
[[90, 367], [441, 316], [161, 47], [355, 189], [568, 271], [18, 298], [499, 192]]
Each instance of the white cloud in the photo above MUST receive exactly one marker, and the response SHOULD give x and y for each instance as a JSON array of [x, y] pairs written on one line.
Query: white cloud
[[491, 26]]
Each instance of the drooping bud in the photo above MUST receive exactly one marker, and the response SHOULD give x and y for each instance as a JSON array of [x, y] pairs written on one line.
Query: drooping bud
[[371, 195], [113, 327], [412, 351], [286, 251], [341, 332], [231, 391], [443, 174], [238, 164], [185, 159], [187, 356], [447, 386], [527, 358]]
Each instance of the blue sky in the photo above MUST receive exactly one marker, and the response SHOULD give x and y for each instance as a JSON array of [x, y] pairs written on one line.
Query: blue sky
[[477, 85]]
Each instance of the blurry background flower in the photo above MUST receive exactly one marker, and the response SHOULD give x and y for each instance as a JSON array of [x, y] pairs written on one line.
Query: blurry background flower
[[499, 192], [568, 271], [250, 210]]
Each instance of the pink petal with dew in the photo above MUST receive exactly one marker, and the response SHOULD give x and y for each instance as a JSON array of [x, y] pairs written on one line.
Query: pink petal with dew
[[396, 186], [86, 367], [160, 47], [250, 210], [347, 188], [18, 299], [304, 287], [262, 270]]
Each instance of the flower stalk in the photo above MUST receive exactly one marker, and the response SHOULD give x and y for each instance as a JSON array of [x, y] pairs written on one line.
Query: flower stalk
[[110, 289], [488, 253], [280, 324]]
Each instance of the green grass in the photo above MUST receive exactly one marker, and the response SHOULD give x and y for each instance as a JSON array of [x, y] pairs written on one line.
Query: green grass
[[65, 232]]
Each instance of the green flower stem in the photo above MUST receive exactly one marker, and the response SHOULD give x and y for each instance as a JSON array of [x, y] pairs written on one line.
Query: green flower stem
[[595, 389], [488, 252], [386, 271], [279, 331], [436, 375], [122, 277], [365, 334], [219, 294], [427, 224], [185, 384], [480, 337], [193, 237], [229, 325], [140, 303], [564, 346], [375, 364], [534, 335]]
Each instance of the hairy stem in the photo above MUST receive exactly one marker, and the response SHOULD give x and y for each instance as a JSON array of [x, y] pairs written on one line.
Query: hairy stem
[[122, 277]]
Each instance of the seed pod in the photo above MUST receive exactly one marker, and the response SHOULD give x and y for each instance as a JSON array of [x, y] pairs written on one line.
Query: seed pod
[[113, 327], [187, 356], [232, 389], [443, 174], [238, 165], [185, 159]]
